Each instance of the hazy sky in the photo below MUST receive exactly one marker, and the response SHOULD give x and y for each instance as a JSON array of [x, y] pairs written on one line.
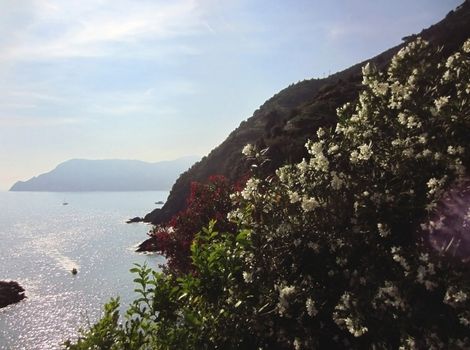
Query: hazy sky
[[156, 80]]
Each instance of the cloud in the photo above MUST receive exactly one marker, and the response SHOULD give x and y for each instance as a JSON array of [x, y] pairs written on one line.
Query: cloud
[[71, 29], [24, 101], [23, 121], [22, 95], [132, 110], [150, 101]]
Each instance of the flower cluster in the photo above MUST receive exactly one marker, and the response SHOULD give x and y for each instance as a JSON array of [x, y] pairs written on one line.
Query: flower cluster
[[285, 294], [369, 186]]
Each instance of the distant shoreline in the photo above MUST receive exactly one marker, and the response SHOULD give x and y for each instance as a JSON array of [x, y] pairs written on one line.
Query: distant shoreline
[[107, 175]]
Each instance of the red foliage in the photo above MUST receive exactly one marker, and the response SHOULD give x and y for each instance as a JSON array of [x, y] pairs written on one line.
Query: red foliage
[[207, 201]]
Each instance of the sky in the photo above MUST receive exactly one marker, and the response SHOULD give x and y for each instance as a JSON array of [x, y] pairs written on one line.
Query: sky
[[157, 80]]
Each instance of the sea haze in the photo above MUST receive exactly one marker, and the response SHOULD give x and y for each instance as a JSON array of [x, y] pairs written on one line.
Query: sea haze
[[42, 240]]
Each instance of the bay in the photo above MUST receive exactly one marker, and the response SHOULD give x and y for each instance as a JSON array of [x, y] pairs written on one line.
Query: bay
[[42, 240]]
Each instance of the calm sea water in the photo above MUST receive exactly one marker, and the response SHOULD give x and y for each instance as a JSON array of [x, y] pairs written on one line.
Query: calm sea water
[[41, 240]]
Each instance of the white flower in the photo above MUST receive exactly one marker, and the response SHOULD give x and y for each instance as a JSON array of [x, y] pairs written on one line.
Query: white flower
[[354, 158], [318, 161], [464, 320], [455, 297], [441, 102], [412, 123], [283, 173], [399, 259], [234, 216], [432, 183], [314, 148], [248, 150], [452, 59], [247, 277], [426, 153], [311, 308], [446, 76], [336, 181], [408, 152], [285, 294], [250, 188], [309, 204], [367, 69], [435, 185], [294, 197], [422, 139], [303, 166], [333, 149], [384, 230], [466, 46], [409, 344], [342, 316], [381, 88], [389, 295], [402, 118], [365, 152]]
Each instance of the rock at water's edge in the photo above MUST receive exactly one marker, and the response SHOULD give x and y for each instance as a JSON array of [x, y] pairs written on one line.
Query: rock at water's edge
[[10, 292], [149, 245], [136, 219]]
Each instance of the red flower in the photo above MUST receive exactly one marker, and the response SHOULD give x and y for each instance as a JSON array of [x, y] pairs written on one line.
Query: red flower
[[207, 201]]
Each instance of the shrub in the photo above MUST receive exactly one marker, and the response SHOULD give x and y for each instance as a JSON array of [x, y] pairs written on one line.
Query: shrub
[[207, 201], [363, 245], [348, 237]]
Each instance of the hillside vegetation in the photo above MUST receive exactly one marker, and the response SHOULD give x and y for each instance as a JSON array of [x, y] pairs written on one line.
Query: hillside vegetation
[[289, 118]]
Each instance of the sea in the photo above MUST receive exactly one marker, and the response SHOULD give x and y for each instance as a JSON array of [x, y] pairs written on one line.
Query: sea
[[42, 240]]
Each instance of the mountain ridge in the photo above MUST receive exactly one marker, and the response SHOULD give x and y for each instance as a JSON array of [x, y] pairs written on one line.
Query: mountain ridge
[[107, 175]]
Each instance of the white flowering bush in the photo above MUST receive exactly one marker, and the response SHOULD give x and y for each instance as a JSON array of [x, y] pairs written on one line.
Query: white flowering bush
[[362, 244], [365, 244]]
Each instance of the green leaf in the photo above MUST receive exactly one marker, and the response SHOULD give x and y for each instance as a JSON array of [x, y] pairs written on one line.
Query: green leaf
[[139, 281]]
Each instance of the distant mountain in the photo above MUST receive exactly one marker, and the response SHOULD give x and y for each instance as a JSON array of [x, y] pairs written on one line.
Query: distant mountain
[[108, 175], [285, 121]]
